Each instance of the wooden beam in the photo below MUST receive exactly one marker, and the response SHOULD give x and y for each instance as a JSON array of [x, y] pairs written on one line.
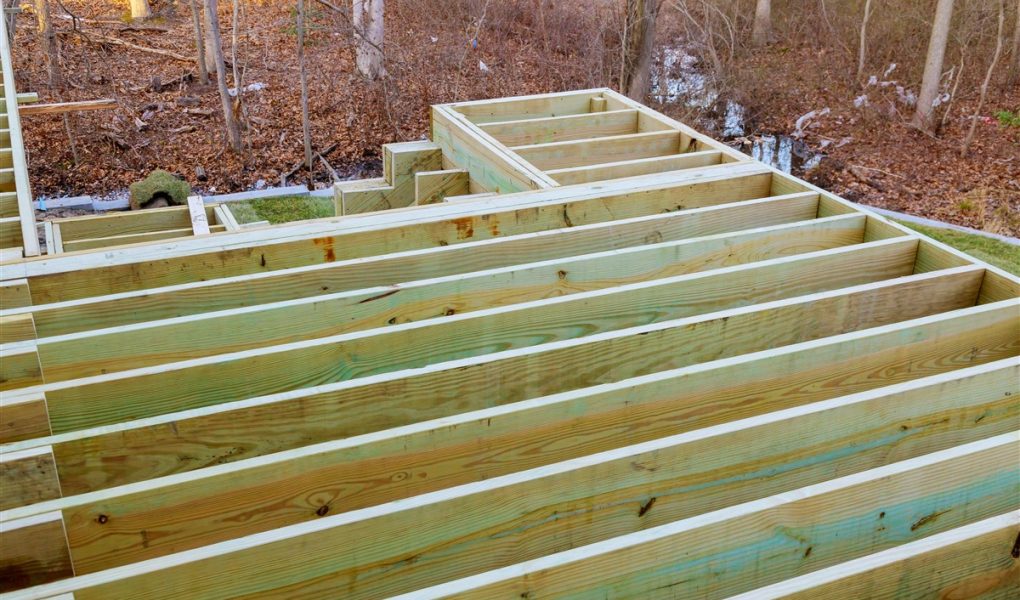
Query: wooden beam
[[125, 222], [155, 342], [23, 417], [301, 282], [114, 397], [135, 238], [31, 552], [135, 451], [635, 167], [559, 129], [16, 328], [526, 107], [444, 454], [580, 153], [19, 366], [18, 175], [199, 220], [57, 278], [400, 163], [488, 162], [64, 107], [665, 541], [832, 522], [967, 562], [14, 293], [431, 187], [28, 477]]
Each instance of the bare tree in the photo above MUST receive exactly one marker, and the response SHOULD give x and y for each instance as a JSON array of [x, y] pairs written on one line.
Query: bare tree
[[48, 41], [999, 35], [369, 33], [933, 65], [762, 30], [306, 126], [196, 19], [862, 49], [639, 40], [140, 9], [212, 30]]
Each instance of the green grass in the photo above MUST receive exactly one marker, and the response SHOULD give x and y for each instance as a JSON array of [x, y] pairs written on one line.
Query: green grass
[[283, 209], [992, 251]]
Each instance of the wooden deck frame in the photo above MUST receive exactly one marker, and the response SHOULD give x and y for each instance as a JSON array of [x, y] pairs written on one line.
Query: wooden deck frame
[[314, 391]]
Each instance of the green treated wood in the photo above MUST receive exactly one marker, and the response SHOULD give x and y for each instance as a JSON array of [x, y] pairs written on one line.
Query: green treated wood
[[300, 282], [580, 153], [559, 129], [635, 167], [839, 520], [973, 561], [527, 107], [82, 403], [58, 278], [149, 448], [879, 426], [348, 555], [156, 342], [488, 162]]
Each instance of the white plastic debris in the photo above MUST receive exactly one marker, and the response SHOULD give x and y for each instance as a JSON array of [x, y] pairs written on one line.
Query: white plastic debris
[[484, 68]]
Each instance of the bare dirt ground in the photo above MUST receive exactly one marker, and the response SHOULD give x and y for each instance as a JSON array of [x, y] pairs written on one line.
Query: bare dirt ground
[[167, 120]]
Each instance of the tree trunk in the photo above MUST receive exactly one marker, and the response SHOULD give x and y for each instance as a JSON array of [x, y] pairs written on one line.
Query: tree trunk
[[212, 29], [369, 35], [306, 126], [862, 49], [933, 65], [762, 31], [1014, 73], [639, 33], [140, 9], [234, 25], [999, 35], [210, 50], [203, 71], [48, 41]]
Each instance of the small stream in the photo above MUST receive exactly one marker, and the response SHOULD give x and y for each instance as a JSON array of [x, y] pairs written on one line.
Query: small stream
[[679, 78]]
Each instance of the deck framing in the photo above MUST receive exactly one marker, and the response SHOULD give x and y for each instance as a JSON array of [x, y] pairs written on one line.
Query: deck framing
[[566, 346]]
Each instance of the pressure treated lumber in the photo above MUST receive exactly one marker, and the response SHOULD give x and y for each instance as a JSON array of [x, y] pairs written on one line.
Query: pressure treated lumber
[[133, 238], [64, 107], [857, 361], [23, 417], [33, 551], [400, 163], [56, 279], [489, 163], [27, 477], [300, 282], [340, 555], [901, 421], [795, 533], [15, 179], [126, 222], [527, 107], [431, 187], [122, 348], [579, 153], [976, 560], [133, 394], [635, 167], [560, 129]]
